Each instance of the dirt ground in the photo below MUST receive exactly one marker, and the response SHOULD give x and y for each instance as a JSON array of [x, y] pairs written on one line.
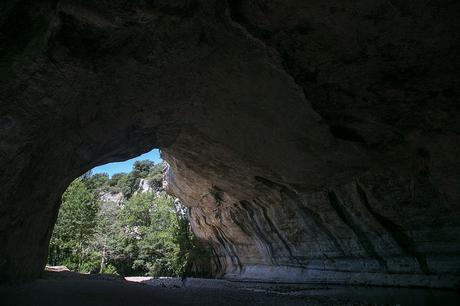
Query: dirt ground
[[67, 289]]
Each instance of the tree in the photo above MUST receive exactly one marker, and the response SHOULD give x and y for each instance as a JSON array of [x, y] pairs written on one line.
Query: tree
[[75, 226], [158, 247], [142, 168], [114, 181], [126, 184], [155, 177], [152, 232], [107, 235], [98, 181], [137, 211]]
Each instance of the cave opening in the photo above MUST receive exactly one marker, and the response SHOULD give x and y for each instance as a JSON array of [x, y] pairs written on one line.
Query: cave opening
[[118, 219], [311, 141]]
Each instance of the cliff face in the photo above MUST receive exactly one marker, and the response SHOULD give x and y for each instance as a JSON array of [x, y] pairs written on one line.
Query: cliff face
[[391, 225], [311, 141]]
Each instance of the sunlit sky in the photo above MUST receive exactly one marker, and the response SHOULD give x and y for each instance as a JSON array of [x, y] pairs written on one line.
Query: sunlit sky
[[127, 165]]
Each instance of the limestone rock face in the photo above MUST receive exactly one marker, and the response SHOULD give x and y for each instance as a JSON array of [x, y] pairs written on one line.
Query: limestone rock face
[[114, 197], [144, 186], [311, 140]]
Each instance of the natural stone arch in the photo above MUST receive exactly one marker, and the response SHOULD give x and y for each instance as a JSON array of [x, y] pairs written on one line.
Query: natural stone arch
[[280, 186]]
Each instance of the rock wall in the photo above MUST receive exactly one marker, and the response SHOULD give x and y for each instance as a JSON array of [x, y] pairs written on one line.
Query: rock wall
[[312, 141], [388, 226]]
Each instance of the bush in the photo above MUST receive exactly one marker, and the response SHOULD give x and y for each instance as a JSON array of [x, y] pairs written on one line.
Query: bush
[[110, 269]]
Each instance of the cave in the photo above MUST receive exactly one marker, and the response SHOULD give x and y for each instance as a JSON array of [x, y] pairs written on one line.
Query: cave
[[312, 141]]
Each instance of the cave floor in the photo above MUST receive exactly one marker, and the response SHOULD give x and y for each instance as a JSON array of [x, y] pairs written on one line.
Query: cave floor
[[66, 288]]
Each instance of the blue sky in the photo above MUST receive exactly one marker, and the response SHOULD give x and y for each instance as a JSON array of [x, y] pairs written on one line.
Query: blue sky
[[127, 165]]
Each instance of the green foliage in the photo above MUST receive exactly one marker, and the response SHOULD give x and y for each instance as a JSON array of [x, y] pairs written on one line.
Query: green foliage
[[142, 168], [75, 226], [155, 177], [110, 270], [146, 235], [158, 246], [98, 181], [151, 228], [137, 211], [114, 181]]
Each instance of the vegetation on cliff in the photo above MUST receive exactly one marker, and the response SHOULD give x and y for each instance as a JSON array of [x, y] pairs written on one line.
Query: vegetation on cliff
[[146, 233]]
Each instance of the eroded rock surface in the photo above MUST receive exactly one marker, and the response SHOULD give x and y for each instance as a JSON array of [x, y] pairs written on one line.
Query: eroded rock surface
[[312, 141]]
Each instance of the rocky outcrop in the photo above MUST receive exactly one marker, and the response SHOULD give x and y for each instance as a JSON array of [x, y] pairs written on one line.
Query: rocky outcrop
[[310, 141], [114, 197], [144, 186]]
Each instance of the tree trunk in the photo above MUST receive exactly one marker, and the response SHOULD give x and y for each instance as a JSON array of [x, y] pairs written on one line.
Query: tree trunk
[[102, 261], [80, 250]]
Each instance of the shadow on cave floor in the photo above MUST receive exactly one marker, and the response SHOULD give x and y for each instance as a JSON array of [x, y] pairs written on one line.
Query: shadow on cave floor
[[69, 288]]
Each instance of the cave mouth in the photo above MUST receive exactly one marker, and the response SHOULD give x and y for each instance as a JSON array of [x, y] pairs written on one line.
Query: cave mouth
[[309, 142], [117, 219]]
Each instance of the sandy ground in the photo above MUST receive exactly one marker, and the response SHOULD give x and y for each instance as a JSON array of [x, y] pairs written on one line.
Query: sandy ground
[[66, 288]]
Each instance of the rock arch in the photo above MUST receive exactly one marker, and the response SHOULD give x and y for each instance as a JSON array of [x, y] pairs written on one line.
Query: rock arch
[[312, 141]]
